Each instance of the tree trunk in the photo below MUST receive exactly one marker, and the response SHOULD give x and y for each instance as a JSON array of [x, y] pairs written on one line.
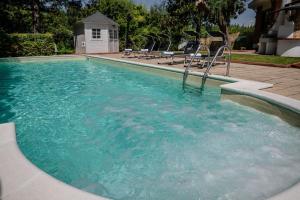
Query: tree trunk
[[198, 28], [35, 15], [127, 31], [224, 28]]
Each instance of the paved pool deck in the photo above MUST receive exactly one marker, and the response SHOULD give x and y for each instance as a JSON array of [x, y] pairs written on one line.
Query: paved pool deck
[[286, 81]]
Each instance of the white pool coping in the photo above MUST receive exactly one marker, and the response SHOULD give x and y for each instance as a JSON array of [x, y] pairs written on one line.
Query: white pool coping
[[22, 180]]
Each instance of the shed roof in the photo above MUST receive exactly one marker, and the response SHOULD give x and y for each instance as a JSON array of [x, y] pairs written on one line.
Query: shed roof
[[98, 17]]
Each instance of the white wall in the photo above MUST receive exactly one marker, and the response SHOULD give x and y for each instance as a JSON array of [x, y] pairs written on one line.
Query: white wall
[[290, 48], [102, 45], [79, 39], [96, 45], [114, 43], [267, 46]]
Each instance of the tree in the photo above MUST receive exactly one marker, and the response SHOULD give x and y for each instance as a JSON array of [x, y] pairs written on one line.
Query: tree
[[15, 16], [129, 16], [171, 17], [73, 8], [221, 11], [185, 13], [35, 10]]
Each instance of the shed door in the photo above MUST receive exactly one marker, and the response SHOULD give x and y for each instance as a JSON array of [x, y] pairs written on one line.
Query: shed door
[[113, 39]]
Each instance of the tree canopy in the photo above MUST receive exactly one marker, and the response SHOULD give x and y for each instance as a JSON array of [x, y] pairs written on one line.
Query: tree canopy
[[171, 17]]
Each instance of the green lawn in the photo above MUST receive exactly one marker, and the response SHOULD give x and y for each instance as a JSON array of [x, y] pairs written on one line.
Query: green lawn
[[264, 59]]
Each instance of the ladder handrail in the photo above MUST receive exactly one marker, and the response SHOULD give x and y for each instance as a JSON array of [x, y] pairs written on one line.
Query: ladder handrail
[[186, 71], [205, 75]]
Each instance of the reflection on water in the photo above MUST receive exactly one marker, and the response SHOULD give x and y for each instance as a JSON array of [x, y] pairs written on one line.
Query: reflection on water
[[7, 82]]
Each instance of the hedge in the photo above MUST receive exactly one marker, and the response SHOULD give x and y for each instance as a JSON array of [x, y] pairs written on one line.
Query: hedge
[[26, 44]]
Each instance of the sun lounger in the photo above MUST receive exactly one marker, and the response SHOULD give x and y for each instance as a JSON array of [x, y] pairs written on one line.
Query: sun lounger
[[127, 52], [189, 47]]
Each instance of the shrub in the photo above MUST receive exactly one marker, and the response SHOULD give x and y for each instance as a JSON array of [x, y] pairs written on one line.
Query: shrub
[[64, 50], [6, 42], [244, 41], [63, 37], [27, 45]]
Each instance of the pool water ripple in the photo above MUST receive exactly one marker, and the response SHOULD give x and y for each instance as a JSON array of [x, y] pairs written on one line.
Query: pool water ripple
[[124, 134]]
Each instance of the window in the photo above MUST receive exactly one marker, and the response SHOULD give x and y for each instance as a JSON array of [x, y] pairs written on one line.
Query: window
[[111, 34], [82, 44], [96, 33], [115, 34]]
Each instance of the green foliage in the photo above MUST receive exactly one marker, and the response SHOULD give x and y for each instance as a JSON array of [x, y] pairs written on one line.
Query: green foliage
[[225, 8], [33, 37], [27, 45], [15, 17], [65, 50], [270, 59], [183, 15], [130, 17], [6, 42], [220, 12], [63, 38], [58, 17], [244, 41]]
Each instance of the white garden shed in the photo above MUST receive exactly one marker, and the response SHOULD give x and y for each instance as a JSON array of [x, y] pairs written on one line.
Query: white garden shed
[[96, 34]]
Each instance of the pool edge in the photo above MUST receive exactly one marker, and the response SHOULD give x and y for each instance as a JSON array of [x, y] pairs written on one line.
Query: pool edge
[[22, 180]]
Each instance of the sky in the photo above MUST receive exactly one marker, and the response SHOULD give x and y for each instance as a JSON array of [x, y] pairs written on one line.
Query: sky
[[247, 18]]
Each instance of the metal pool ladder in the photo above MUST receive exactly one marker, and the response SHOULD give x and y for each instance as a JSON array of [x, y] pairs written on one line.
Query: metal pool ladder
[[186, 71], [210, 64]]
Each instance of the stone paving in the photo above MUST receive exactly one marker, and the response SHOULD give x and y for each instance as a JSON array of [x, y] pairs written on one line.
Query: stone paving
[[286, 80]]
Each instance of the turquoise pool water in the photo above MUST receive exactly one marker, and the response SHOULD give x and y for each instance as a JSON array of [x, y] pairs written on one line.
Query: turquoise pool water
[[124, 134]]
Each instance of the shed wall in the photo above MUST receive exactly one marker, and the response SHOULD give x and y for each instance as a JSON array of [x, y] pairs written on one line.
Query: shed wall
[[114, 43], [79, 41], [96, 45]]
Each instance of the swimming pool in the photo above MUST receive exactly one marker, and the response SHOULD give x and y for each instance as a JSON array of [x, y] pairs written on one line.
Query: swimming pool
[[113, 130]]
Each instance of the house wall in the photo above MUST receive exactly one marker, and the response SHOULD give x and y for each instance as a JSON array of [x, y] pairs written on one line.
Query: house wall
[[286, 30], [290, 48], [284, 35], [297, 25], [114, 43], [104, 44], [79, 43], [79, 39], [96, 45]]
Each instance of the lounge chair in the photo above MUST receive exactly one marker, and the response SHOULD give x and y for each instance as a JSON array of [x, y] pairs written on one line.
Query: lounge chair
[[161, 39], [147, 51], [130, 53], [127, 52], [189, 47]]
